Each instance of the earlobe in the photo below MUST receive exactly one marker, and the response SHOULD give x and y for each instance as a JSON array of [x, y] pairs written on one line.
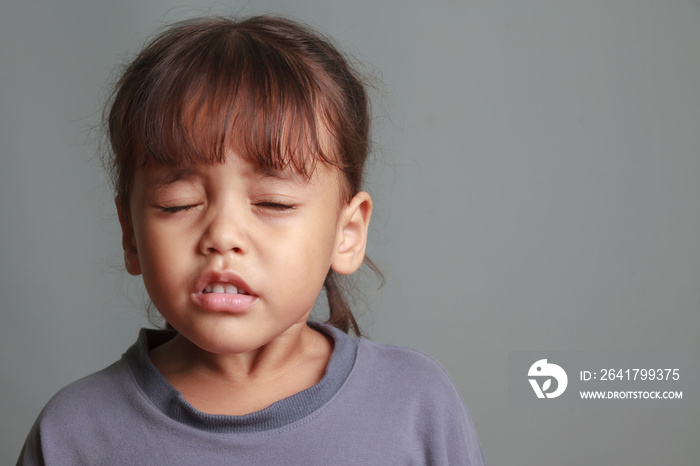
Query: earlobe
[[351, 242], [131, 257]]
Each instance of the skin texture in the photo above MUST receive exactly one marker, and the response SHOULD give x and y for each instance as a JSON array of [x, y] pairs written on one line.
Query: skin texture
[[274, 234]]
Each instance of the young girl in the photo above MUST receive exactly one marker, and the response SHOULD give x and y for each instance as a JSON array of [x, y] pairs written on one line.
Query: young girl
[[237, 157]]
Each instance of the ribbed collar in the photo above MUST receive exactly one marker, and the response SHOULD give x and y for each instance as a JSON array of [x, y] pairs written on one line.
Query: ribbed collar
[[171, 402]]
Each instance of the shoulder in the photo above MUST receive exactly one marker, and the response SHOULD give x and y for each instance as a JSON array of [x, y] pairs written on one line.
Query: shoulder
[[398, 363], [413, 390], [78, 408], [73, 413], [107, 391], [410, 377], [94, 390]]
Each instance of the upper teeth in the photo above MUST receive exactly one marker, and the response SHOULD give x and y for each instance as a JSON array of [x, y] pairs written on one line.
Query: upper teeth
[[222, 288]]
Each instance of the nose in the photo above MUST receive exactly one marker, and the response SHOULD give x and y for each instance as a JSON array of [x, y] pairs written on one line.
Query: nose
[[225, 232]]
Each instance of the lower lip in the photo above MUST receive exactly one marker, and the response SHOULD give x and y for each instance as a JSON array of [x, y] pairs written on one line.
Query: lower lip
[[225, 302]]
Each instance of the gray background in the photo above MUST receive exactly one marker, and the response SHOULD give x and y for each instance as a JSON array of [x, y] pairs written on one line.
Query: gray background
[[536, 188]]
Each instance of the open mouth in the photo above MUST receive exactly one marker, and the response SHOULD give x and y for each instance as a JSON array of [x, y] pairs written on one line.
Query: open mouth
[[225, 288]]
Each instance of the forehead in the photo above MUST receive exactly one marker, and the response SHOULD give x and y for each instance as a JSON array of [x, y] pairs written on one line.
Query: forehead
[[239, 168]]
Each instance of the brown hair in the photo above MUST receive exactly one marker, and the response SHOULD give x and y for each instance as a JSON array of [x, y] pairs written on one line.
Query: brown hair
[[265, 87]]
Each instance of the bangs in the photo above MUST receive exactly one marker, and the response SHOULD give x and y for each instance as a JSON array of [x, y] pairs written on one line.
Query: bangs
[[229, 90]]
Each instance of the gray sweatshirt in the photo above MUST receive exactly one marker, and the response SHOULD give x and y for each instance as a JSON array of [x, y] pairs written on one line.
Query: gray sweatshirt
[[375, 405]]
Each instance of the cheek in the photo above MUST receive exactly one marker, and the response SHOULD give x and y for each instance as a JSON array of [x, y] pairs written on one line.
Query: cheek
[[156, 255], [308, 251], [158, 272]]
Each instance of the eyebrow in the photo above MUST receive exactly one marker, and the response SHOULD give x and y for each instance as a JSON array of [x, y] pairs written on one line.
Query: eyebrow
[[282, 175], [174, 174], [170, 176]]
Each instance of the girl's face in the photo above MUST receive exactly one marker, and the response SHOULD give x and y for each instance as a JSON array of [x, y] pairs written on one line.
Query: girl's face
[[234, 257]]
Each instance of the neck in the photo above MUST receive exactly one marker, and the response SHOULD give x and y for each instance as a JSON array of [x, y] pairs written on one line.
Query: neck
[[245, 382], [277, 356]]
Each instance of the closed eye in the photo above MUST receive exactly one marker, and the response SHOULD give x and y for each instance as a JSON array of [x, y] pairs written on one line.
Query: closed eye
[[178, 208], [274, 206]]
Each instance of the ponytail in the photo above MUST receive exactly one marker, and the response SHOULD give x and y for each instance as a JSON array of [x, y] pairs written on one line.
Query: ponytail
[[340, 314]]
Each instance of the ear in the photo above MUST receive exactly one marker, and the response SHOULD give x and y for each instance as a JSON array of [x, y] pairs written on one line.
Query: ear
[[351, 240], [131, 257]]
